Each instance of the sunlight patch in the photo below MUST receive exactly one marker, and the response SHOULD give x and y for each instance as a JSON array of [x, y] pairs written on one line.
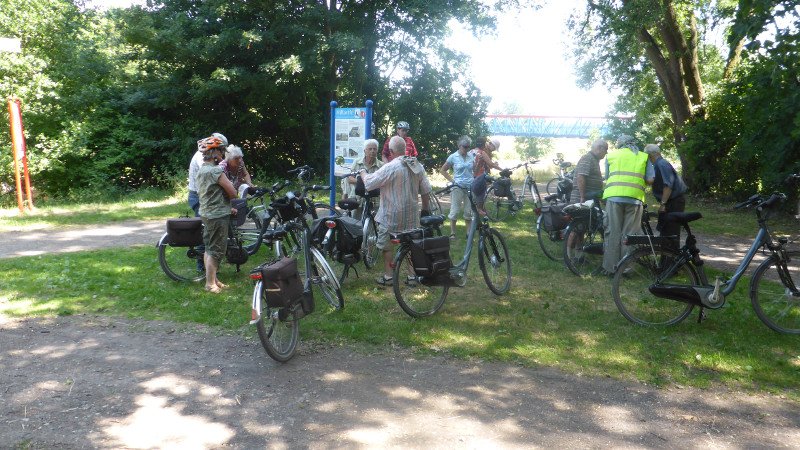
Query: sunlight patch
[[338, 375]]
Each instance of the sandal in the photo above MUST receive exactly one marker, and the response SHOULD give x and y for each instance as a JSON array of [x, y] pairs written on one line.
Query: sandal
[[383, 281], [452, 236]]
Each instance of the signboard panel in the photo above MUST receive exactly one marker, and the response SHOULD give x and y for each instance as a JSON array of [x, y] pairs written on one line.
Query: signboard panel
[[350, 131]]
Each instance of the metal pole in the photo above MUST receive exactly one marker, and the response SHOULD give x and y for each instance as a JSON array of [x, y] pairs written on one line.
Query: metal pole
[[333, 153]]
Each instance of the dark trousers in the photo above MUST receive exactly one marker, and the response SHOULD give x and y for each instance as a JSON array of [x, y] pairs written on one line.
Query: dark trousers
[[677, 204]]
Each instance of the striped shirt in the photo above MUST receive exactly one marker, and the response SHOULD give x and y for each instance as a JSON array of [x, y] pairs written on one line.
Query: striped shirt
[[401, 181]]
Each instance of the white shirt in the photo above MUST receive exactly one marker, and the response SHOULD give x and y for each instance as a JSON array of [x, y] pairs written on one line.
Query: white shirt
[[194, 167]]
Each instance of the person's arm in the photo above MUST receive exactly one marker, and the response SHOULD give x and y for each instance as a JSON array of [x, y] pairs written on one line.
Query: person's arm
[[246, 176], [580, 179], [411, 147], [490, 162], [425, 186], [227, 186], [385, 153], [445, 171], [665, 198], [374, 180]]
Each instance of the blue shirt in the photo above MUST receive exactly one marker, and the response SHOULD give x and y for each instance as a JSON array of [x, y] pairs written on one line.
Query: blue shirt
[[462, 168], [666, 176]]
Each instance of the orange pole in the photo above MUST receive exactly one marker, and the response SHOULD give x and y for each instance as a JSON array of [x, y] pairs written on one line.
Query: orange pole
[[12, 118], [25, 175]]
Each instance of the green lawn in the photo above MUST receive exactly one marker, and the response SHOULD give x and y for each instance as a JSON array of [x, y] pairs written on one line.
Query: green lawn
[[550, 318]]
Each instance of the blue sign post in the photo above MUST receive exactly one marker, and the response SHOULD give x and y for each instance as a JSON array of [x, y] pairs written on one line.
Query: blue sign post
[[350, 127]]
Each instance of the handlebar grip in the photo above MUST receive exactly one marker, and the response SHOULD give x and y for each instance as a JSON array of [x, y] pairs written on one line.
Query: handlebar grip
[[747, 202]]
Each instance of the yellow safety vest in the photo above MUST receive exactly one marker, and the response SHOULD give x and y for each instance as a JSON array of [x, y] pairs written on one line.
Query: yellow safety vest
[[626, 174]]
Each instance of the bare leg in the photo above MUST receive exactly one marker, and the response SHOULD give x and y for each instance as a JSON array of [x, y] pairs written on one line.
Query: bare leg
[[453, 226], [211, 274], [387, 262]]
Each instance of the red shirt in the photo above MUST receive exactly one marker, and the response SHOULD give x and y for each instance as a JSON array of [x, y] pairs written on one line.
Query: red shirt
[[411, 149]]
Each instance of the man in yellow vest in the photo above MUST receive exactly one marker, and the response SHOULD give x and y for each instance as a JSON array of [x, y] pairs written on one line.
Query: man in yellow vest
[[628, 172]]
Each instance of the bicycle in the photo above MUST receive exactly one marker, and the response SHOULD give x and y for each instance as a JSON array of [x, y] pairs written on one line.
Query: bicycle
[[584, 237], [422, 294], [658, 285], [563, 173], [550, 228]]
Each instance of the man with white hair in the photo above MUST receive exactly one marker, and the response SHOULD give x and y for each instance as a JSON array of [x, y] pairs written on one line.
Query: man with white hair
[[628, 171], [401, 181], [669, 190]]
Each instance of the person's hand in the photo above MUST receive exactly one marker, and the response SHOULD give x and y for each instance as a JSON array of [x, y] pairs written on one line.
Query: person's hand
[[234, 211]]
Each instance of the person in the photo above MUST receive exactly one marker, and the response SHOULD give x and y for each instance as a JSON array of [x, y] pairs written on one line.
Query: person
[[369, 161], [233, 167], [194, 166], [215, 191], [402, 130], [401, 181], [481, 167], [461, 162], [669, 189], [588, 178], [628, 171]]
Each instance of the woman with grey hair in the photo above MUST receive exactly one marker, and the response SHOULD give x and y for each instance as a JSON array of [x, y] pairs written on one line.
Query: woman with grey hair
[[461, 161], [233, 167]]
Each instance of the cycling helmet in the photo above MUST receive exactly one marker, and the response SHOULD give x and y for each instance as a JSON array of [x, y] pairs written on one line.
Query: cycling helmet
[[221, 137], [403, 124], [210, 143]]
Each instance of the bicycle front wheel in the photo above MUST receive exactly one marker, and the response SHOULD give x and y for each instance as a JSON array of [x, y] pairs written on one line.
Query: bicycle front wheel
[[583, 248], [369, 247], [631, 287], [180, 263], [552, 242], [279, 338], [497, 208], [773, 302], [415, 298], [322, 276], [495, 261], [530, 185]]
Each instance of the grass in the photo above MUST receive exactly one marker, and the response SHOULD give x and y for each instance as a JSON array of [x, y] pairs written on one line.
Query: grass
[[550, 318]]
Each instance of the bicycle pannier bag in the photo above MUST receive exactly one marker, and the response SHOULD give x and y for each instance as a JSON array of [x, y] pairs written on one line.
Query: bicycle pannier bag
[[235, 253], [361, 191], [240, 205], [185, 231], [502, 187], [287, 208], [553, 218], [431, 256], [318, 231], [281, 282], [349, 235]]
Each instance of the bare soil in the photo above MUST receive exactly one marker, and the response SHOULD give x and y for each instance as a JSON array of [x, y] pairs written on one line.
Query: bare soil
[[100, 382]]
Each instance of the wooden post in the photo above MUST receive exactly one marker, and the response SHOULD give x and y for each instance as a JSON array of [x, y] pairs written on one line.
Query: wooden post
[[12, 118]]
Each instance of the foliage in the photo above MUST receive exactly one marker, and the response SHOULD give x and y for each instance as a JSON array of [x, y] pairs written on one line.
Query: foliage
[[533, 148]]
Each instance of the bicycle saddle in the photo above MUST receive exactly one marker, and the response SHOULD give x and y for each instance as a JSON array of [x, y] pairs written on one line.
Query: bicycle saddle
[[682, 217], [430, 221], [348, 204]]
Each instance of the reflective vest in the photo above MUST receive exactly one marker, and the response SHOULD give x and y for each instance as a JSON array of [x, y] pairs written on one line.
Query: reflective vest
[[626, 174]]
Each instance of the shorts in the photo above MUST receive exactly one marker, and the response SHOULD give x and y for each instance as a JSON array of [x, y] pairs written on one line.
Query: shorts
[[383, 237], [479, 189], [215, 236], [459, 201]]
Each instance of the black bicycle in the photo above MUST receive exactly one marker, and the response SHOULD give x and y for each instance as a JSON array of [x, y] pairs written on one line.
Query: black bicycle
[[562, 174]]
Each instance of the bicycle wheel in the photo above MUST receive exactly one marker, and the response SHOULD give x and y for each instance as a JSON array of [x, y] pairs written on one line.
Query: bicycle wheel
[[552, 186], [495, 261], [772, 301], [180, 263], [497, 208], [583, 248], [633, 278], [435, 206], [279, 338], [369, 247], [552, 242], [250, 231], [530, 185], [415, 298], [323, 277]]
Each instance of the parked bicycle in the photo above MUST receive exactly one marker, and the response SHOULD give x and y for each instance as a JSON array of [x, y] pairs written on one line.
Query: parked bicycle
[[562, 173], [658, 285], [550, 227], [423, 271]]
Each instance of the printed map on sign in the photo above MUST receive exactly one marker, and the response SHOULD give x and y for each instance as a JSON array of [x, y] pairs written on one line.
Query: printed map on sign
[[350, 129]]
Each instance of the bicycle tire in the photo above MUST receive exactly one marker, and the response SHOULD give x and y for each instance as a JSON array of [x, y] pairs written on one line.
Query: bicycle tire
[[497, 208], [178, 262], [583, 248], [279, 338], [415, 299], [494, 260], [772, 301], [552, 186], [636, 273], [326, 280], [435, 206], [369, 247], [252, 230], [551, 242], [530, 183]]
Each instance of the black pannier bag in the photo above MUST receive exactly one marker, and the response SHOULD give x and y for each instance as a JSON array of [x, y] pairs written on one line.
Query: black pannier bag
[[185, 231], [553, 217], [431, 256], [361, 191], [502, 187], [281, 283], [240, 205], [349, 236], [235, 253], [287, 207], [318, 231]]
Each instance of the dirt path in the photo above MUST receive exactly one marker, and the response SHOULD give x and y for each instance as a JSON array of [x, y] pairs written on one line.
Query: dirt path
[[78, 382]]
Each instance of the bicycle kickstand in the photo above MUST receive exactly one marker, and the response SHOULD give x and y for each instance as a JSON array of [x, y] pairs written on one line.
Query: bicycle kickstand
[[702, 315]]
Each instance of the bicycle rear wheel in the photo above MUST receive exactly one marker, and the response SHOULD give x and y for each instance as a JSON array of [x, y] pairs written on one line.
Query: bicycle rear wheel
[[324, 278], [497, 208], [633, 278], [435, 205], [773, 302], [369, 247], [495, 261], [552, 186], [279, 338], [415, 298], [180, 263], [583, 248], [552, 242]]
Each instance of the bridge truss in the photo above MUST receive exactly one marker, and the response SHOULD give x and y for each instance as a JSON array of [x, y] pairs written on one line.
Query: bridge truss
[[545, 126]]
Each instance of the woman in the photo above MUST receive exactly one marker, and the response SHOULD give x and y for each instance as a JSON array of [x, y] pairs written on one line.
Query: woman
[[483, 164], [462, 163], [233, 167]]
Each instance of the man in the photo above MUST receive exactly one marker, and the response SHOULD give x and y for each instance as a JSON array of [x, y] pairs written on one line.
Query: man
[[215, 191], [669, 189], [402, 131], [628, 171], [588, 178], [401, 181], [369, 161]]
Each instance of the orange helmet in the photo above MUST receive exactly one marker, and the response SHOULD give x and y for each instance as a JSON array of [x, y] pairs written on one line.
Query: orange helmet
[[205, 145]]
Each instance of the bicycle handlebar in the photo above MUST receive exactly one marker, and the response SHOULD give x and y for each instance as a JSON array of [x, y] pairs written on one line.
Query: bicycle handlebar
[[761, 201]]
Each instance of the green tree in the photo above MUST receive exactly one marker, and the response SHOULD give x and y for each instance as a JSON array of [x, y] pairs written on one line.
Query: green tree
[[533, 147]]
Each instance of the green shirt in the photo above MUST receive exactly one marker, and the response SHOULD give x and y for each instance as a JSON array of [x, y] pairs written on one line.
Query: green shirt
[[213, 203]]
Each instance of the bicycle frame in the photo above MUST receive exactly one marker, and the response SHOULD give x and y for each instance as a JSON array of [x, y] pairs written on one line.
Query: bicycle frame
[[463, 265]]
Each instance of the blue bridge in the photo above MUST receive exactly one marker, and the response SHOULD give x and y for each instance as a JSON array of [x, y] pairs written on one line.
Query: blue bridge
[[546, 126]]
